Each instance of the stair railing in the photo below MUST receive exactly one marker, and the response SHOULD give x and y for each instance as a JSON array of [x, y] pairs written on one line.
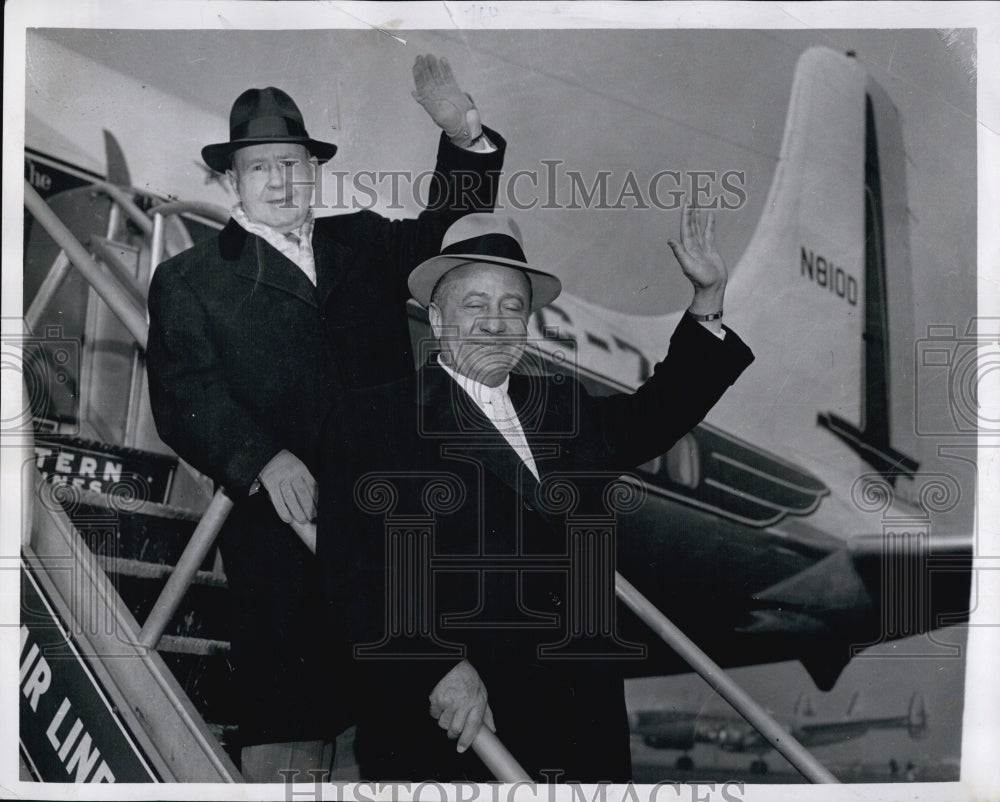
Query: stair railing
[[194, 554], [104, 283]]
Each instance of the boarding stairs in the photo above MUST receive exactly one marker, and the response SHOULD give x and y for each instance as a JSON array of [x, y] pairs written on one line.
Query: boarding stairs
[[111, 508]]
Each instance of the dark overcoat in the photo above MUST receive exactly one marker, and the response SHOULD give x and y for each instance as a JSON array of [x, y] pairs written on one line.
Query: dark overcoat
[[246, 358], [455, 550]]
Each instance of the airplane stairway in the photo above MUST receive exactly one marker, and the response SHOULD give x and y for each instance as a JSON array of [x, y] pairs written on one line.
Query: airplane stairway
[[113, 508], [138, 551]]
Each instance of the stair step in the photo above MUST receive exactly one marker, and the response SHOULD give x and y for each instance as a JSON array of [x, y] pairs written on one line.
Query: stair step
[[143, 531], [226, 734], [137, 543], [179, 644], [140, 569], [122, 504], [207, 679], [204, 611]]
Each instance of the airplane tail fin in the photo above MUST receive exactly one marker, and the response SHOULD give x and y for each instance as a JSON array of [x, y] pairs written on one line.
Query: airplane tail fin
[[804, 706], [117, 166], [827, 275], [916, 724]]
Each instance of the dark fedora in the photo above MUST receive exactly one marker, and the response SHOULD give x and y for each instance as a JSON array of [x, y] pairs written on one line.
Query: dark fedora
[[482, 238], [261, 117]]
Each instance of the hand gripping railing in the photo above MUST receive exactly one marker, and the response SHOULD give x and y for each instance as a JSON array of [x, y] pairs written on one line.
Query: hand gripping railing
[[486, 745], [496, 757]]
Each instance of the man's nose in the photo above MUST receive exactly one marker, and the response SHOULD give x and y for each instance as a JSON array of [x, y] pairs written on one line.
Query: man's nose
[[276, 175], [493, 324]]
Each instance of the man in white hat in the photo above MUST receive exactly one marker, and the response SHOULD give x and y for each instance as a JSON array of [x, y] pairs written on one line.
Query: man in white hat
[[455, 507], [253, 335]]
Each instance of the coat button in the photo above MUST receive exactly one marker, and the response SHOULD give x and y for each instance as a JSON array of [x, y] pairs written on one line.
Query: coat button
[[556, 599]]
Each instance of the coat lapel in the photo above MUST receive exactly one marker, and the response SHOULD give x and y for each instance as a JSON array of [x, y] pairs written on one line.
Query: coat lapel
[[541, 419], [447, 412], [257, 261]]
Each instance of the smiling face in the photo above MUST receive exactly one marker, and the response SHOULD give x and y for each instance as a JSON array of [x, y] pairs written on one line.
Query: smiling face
[[479, 314], [275, 183]]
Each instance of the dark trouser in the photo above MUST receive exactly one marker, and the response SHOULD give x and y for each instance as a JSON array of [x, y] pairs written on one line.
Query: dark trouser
[[562, 723]]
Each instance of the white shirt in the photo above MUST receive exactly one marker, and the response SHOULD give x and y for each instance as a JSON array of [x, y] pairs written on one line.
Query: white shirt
[[497, 407]]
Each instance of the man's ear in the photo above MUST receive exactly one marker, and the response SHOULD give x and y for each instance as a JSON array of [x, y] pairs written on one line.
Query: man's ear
[[434, 315], [234, 181]]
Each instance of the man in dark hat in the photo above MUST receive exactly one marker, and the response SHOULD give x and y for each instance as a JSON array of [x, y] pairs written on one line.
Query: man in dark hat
[[454, 553], [253, 336]]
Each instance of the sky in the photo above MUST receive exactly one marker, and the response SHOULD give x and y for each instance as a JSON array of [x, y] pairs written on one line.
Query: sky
[[621, 101]]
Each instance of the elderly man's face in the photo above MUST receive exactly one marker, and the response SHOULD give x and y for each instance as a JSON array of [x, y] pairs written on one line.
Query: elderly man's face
[[480, 316], [275, 183]]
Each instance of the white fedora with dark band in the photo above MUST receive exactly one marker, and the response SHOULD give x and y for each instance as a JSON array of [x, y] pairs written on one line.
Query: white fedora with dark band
[[483, 238], [261, 117]]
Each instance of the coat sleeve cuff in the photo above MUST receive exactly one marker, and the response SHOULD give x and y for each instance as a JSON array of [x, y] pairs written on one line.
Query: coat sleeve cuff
[[691, 334], [451, 157]]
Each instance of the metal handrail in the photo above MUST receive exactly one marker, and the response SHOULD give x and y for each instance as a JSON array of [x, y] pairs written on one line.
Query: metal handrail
[[193, 556], [117, 299], [497, 758], [118, 268], [47, 291], [779, 738], [210, 210], [124, 199]]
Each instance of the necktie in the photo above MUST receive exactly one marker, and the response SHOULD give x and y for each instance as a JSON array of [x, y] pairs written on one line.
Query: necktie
[[303, 257], [506, 421]]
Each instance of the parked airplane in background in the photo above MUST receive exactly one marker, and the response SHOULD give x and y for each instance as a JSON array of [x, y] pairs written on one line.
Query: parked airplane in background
[[766, 533], [682, 729]]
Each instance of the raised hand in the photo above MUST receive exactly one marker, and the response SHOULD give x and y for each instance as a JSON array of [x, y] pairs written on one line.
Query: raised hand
[[451, 108], [700, 259]]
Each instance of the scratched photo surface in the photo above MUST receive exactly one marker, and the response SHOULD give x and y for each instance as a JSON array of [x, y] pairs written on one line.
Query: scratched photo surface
[[812, 534]]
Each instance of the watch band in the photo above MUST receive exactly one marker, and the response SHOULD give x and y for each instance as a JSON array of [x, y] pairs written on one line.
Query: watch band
[[705, 318]]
